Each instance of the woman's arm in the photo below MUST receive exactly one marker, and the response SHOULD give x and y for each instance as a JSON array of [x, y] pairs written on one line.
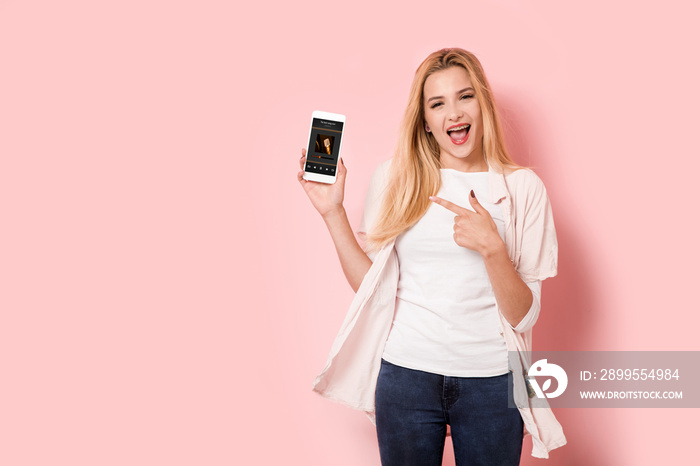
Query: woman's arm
[[354, 261], [328, 201], [513, 296]]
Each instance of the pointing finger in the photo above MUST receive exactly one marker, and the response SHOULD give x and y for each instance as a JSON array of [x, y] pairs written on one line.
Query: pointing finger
[[449, 205]]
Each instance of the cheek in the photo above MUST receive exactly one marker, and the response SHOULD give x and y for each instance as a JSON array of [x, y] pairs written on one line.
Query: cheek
[[475, 113], [428, 120], [434, 126]]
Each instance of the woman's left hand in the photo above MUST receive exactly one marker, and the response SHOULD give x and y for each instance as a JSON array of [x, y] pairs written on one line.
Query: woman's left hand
[[473, 230]]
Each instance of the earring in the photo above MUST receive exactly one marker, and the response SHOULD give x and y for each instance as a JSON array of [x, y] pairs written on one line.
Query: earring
[[427, 128]]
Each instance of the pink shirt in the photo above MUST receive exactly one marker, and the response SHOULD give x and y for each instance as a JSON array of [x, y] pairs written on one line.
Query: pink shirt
[[350, 375]]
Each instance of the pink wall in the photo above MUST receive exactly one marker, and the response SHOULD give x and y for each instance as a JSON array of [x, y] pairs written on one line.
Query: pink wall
[[169, 294]]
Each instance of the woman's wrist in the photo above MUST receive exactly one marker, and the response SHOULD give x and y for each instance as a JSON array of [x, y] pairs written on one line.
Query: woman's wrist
[[334, 213], [494, 249]]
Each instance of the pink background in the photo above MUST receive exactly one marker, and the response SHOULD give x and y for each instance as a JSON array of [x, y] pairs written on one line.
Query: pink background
[[168, 294]]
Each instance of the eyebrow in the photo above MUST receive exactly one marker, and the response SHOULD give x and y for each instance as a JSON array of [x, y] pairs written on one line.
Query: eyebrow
[[458, 92]]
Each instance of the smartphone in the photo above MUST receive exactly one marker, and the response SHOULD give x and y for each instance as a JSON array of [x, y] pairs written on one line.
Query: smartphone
[[323, 151]]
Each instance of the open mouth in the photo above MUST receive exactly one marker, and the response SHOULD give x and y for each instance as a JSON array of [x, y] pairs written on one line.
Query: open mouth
[[459, 134]]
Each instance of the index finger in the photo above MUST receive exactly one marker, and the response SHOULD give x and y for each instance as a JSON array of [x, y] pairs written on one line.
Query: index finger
[[302, 160], [459, 210]]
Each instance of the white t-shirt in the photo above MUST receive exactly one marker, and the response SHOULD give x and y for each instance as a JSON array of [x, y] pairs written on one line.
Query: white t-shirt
[[446, 320]]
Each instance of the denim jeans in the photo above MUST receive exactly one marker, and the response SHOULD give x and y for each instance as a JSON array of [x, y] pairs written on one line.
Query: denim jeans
[[414, 407]]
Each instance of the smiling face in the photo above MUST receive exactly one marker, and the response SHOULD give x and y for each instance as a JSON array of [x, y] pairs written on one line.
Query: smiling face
[[453, 114]]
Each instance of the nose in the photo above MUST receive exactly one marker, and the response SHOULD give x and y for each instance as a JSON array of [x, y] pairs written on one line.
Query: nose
[[455, 113]]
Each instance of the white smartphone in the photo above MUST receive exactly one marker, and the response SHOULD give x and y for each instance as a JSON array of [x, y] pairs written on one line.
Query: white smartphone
[[323, 151]]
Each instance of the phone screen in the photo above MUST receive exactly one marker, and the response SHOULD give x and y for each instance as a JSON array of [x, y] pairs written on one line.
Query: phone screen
[[324, 146]]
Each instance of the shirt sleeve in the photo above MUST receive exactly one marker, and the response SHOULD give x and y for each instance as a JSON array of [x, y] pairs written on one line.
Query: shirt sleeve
[[530, 318], [535, 227], [373, 201]]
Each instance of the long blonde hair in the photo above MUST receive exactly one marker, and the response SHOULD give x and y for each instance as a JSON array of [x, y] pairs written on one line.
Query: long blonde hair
[[415, 168]]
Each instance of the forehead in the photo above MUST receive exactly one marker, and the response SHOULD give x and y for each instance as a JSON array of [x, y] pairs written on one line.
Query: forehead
[[446, 82]]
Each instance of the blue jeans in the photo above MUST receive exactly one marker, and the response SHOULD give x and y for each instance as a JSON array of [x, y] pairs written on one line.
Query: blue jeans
[[413, 409]]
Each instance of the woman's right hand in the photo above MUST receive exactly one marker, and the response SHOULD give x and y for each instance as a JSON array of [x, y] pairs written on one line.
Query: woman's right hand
[[326, 198]]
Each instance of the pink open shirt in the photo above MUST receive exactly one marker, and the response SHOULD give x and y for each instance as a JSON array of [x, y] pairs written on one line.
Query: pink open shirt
[[350, 375]]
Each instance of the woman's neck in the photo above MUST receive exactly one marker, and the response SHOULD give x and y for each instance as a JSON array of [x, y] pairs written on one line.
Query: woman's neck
[[472, 163]]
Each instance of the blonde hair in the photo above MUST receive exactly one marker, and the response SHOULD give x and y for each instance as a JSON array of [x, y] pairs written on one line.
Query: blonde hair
[[415, 168]]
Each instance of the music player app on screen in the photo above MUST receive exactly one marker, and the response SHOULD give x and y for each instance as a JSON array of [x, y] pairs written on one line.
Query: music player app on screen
[[324, 143]]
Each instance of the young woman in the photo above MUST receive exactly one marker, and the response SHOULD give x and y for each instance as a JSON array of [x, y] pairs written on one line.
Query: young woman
[[457, 239]]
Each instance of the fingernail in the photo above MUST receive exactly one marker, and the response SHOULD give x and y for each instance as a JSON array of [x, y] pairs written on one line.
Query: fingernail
[[472, 194], [432, 198]]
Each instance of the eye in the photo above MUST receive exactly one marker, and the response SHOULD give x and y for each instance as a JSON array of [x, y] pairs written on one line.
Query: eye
[[436, 104], [467, 96]]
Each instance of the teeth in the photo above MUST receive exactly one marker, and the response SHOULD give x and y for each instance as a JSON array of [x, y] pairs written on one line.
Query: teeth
[[457, 128]]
